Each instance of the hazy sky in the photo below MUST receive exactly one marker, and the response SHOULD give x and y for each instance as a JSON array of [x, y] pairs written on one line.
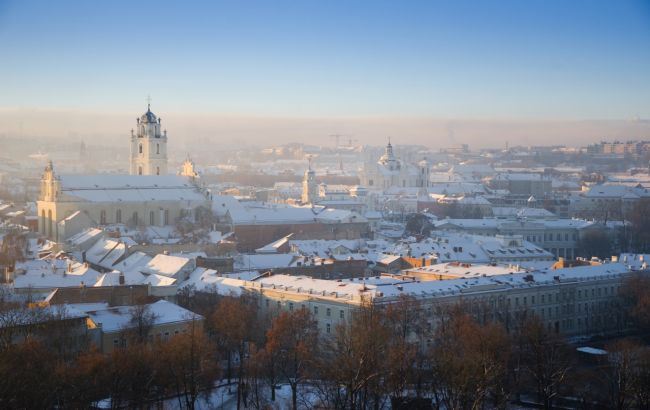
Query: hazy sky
[[464, 60]]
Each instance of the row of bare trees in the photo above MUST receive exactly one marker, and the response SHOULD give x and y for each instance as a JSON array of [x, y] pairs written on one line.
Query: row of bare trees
[[400, 355]]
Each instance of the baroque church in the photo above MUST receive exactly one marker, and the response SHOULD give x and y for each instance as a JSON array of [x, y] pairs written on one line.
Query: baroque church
[[389, 171], [148, 196]]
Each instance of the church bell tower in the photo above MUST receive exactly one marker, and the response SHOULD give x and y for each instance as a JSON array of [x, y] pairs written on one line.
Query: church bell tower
[[148, 146]]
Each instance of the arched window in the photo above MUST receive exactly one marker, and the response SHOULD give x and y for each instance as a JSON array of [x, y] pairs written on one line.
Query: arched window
[[151, 221], [118, 216], [49, 223], [157, 148], [139, 170], [157, 170], [102, 217], [140, 148]]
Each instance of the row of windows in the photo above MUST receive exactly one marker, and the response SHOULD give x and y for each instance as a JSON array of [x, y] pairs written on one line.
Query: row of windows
[[328, 311], [135, 219], [560, 297], [157, 149], [140, 171], [559, 237], [122, 342]]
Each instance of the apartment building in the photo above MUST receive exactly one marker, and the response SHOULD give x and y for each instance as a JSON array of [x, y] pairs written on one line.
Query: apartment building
[[577, 301]]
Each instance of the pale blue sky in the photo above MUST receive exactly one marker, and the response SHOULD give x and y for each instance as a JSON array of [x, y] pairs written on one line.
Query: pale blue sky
[[552, 59]]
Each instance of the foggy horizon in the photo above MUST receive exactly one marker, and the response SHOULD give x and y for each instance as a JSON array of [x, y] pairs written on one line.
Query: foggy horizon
[[255, 129]]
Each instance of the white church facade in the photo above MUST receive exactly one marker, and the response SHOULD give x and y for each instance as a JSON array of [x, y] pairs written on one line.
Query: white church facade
[[147, 197], [390, 172]]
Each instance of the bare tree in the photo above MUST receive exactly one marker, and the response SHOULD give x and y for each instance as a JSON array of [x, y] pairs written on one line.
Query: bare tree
[[187, 365], [292, 341], [545, 360], [235, 326], [470, 362]]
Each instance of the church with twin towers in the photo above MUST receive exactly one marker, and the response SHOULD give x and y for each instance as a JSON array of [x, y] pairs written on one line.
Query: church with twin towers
[[147, 196]]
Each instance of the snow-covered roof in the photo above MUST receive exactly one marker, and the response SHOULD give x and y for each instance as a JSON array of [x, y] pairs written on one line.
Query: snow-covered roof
[[380, 288], [159, 280], [274, 246], [53, 273], [129, 188], [263, 261], [514, 212], [118, 318], [325, 248], [113, 278], [84, 236], [133, 262], [106, 252], [166, 265], [464, 270]]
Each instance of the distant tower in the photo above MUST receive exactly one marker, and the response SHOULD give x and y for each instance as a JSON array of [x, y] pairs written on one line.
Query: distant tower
[[389, 160], [424, 173], [188, 168], [148, 146], [46, 209], [50, 184], [82, 151], [309, 186]]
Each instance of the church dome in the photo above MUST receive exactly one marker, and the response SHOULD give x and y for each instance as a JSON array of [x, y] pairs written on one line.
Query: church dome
[[148, 116]]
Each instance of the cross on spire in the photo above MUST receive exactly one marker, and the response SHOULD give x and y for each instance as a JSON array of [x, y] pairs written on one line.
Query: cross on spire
[[148, 102]]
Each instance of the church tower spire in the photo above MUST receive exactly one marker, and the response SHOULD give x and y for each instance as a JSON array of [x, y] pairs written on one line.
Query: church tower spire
[[148, 146], [309, 186]]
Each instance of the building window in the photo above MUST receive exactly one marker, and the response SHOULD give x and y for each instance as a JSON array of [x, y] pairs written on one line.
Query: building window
[[315, 310], [157, 170], [139, 170], [341, 314], [135, 219], [157, 148], [290, 305], [328, 312], [118, 216], [102, 217], [140, 148], [166, 214], [328, 328], [151, 218]]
